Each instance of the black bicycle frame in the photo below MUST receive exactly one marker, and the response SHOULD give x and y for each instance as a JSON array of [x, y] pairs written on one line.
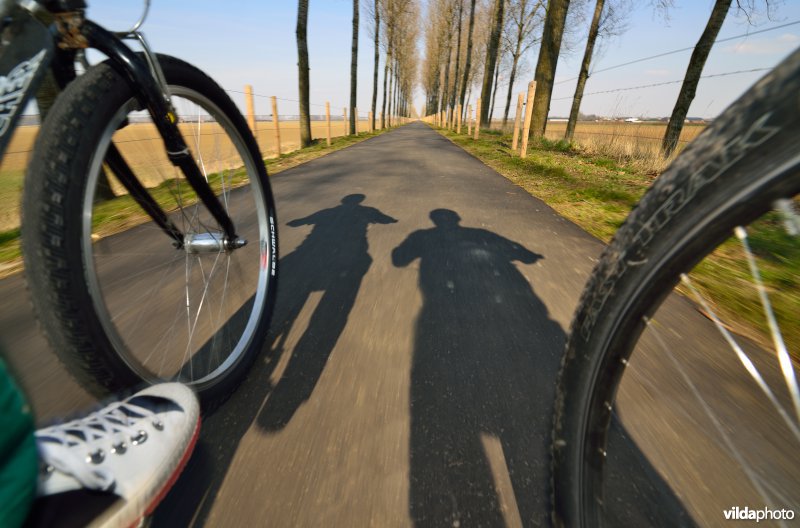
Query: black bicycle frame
[[30, 36]]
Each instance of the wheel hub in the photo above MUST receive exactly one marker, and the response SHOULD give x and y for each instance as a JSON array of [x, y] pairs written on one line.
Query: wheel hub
[[211, 243]]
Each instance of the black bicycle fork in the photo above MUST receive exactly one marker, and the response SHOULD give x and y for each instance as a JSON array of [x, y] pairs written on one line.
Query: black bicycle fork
[[149, 93]]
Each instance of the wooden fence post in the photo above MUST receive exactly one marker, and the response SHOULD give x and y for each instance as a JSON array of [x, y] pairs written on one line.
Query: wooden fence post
[[469, 120], [369, 125], [328, 120], [355, 111], [458, 120], [477, 118], [251, 113], [526, 130], [275, 122], [346, 122], [517, 119]]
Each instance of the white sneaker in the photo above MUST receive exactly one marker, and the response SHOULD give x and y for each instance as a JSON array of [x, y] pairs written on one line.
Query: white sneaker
[[114, 466]]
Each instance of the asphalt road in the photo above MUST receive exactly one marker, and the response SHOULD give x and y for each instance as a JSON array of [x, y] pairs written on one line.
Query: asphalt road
[[409, 373]]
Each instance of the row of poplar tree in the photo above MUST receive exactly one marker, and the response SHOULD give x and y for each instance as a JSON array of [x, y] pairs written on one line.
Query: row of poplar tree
[[468, 42]]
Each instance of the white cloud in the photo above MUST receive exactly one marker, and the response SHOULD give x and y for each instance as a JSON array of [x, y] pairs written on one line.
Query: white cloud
[[789, 38], [780, 44]]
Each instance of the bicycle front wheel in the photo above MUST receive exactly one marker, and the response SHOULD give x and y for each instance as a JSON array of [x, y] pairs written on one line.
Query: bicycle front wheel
[[120, 303], [666, 415]]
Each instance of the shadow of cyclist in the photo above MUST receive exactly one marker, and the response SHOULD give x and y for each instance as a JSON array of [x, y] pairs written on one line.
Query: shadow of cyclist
[[332, 259], [486, 355]]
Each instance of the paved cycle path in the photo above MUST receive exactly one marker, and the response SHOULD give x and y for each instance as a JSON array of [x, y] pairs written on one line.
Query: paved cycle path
[[422, 310], [409, 373]]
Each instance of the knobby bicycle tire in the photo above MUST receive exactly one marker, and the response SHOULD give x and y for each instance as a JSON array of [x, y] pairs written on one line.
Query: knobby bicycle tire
[[121, 305], [729, 176]]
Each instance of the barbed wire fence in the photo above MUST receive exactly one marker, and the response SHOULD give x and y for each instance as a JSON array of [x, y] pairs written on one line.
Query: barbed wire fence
[[274, 137], [625, 132]]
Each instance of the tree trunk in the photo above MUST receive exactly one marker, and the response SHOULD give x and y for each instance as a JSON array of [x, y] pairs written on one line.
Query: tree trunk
[[302, 66], [491, 58], [446, 90], [391, 93], [377, 62], [454, 93], [469, 54], [385, 78], [693, 72], [584, 73], [397, 98], [354, 70], [546, 66], [510, 87], [386, 67], [494, 94]]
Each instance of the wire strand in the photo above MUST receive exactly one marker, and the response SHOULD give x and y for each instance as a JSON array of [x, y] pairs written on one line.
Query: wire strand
[[665, 83], [643, 59]]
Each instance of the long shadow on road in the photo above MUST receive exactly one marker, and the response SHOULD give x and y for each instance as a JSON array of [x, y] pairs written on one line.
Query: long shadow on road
[[481, 381], [332, 260]]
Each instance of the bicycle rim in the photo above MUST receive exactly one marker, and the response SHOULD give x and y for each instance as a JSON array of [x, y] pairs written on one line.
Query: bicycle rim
[[170, 313]]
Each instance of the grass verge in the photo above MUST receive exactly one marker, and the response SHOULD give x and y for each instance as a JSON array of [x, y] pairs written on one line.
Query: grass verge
[[598, 192], [122, 212]]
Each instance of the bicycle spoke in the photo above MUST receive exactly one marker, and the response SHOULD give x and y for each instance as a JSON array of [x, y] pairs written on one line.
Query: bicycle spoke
[[729, 444], [200, 305], [744, 358], [780, 347], [187, 327], [791, 218]]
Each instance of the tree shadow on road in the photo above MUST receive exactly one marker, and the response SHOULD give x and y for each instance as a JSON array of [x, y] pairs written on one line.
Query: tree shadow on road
[[485, 359]]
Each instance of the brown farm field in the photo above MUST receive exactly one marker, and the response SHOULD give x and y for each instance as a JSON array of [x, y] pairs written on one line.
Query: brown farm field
[[638, 143], [141, 145], [630, 135]]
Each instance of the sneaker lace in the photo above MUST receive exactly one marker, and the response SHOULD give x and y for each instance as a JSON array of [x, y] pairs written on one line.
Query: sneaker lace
[[67, 447]]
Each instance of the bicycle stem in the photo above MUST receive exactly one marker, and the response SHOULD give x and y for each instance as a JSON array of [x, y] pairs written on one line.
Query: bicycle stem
[[136, 72]]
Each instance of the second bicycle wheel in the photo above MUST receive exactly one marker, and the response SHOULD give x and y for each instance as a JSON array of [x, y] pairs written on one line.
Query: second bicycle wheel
[[666, 414], [120, 302]]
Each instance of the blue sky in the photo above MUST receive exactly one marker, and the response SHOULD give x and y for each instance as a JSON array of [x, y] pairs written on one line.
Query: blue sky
[[253, 42]]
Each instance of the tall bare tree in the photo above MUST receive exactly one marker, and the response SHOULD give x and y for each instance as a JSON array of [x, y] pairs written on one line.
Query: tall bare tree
[[388, 7], [524, 19], [377, 14], [608, 20], [405, 22], [546, 65], [584, 72], [457, 78], [692, 77], [491, 57], [354, 70], [468, 60], [448, 50], [302, 66]]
